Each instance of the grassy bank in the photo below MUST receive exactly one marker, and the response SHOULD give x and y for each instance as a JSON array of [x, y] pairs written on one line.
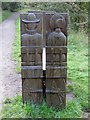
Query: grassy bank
[[77, 74], [5, 14], [16, 47]]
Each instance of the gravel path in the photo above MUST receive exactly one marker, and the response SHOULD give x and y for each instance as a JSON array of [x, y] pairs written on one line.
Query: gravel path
[[10, 81]]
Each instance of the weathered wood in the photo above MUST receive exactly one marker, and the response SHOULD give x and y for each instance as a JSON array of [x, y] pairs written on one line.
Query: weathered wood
[[56, 49], [31, 49], [31, 71], [28, 87], [56, 45], [24, 16], [57, 98], [51, 34]]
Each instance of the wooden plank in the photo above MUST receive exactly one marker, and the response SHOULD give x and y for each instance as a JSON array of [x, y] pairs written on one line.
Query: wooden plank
[[57, 63], [31, 49], [39, 63], [31, 63], [30, 73], [56, 71], [32, 58], [28, 86], [56, 49], [56, 100], [33, 40], [56, 58], [58, 84]]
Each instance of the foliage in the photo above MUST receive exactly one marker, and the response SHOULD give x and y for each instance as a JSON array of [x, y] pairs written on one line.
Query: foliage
[[11, 6], [77, 11], [5, 15]]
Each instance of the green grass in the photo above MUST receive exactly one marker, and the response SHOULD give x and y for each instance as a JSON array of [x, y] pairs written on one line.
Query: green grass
[[78, 66], [77, 74], [16, 47], [5, 14], [14, 108]]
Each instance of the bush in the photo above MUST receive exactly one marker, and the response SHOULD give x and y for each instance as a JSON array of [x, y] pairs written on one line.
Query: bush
[[77, 11], [11, 6]]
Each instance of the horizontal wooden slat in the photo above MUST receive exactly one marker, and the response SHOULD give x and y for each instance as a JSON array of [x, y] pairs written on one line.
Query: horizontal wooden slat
[[31, 71], [56, 57], [31, 63], [40, 63], [31, 67], [47, 91], [31, 49], [56, 67], [49, 49], [56, 72], [56, 63], [56, 49], [51, 77]]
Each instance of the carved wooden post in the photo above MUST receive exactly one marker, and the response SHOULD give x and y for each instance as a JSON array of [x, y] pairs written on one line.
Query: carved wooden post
[[56, 71], [40, 32], [31, 49]]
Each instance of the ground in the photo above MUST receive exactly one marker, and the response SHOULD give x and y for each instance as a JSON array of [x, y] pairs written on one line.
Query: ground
[[10, 83]]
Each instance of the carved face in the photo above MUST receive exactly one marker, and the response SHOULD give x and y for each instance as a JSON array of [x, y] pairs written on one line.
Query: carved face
[[31, 26], [31, 21], [57, 21]]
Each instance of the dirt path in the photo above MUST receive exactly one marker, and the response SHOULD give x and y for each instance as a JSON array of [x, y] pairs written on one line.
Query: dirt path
[[10, 81]]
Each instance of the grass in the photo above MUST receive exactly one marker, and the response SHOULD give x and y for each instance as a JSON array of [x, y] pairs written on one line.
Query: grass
[[78, 66], [14, 108], [77, 74], [16, 47], [5, 14]]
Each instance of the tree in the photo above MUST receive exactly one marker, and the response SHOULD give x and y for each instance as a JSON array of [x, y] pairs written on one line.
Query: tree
[[12, 6]]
